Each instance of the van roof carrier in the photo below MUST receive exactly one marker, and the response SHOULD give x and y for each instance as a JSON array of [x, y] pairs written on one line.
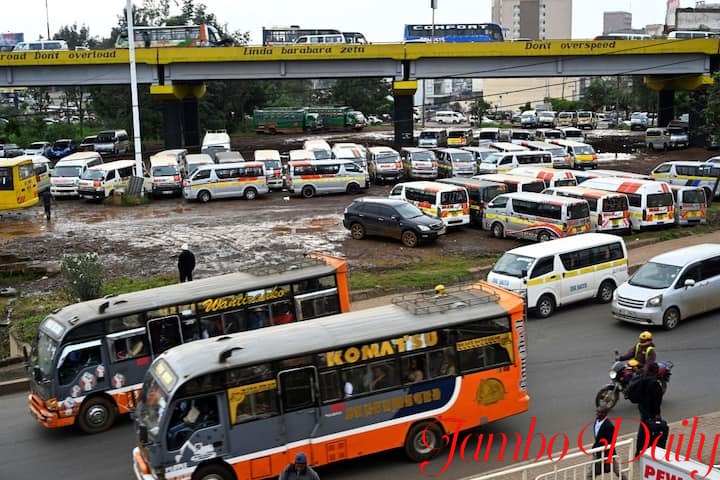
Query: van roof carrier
[[453, 298]]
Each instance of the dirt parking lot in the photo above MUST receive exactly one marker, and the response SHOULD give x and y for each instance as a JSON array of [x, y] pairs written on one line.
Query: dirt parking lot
[[227, 235]]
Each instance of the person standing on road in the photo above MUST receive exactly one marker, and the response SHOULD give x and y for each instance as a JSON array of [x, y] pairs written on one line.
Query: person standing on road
[[47, 202], [603, 435], [651, 394], [299, 470], [186, 263]]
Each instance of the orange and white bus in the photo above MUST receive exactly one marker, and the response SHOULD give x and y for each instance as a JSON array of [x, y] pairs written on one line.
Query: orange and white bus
[[449, 203], [18, 184], [690, 205], [552, 177], [309, 178], [608, 210], [91, 357], [336, 388], [650, 203]]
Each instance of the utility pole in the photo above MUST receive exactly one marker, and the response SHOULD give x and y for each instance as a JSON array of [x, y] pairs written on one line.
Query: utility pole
[[47, 19], [134, 92], [433, 6]]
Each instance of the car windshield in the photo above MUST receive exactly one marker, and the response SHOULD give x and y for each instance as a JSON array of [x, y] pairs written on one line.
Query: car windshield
[[66, 171], [92, 139], [164, 171], [91, 174], [492, 159], [556, 152], [513, 265], [584, 150], [488, 135], [659, 200], [457, 133], [407, 210], [105, 137], [36, 146], [553, 134], [655, 275], [637, 116], [61, 145], [429, 156]]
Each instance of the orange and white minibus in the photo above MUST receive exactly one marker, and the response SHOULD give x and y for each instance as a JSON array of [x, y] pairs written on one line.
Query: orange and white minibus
[[690, 205], [342, 387], [551, 176], [608, 210], [91, 357], [650, 203], [449, 203]]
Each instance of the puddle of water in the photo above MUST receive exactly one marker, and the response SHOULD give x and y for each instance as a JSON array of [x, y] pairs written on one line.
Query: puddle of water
[[20, 227]]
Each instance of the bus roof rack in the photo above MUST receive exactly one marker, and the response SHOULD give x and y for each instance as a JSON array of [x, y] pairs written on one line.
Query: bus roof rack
[[453, 298]]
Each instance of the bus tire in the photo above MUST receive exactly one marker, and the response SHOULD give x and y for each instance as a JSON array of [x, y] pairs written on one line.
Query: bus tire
[[544, 236], [497, 230], [204, 196], [250, 193], [605, 292], [545, 306], [97, 414], [353, 189], [307, 191], [423, 441], [213, 471]]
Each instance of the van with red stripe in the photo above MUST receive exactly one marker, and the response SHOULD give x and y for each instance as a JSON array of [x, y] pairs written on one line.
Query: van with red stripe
[[449, 203], [551, 177], [534, 216], [608, 210], [308, 178], [690, 205], [650, 203], [226, 180]]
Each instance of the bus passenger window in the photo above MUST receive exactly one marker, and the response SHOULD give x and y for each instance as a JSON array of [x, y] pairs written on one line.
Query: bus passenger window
[[211, 326], [258, 318], [413, 368], [330, 387], [282, 312]]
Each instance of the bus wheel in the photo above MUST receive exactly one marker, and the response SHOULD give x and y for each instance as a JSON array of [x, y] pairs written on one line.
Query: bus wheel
[[497, 230], [353, 189], [204, 196], [423, 441], [214, 471], [545, 306], [250, 193], [605, 292], [543, 236], [96, 415], [308, 191]]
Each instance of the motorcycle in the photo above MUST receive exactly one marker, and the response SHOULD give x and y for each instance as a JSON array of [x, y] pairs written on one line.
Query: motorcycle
[[621, 374]]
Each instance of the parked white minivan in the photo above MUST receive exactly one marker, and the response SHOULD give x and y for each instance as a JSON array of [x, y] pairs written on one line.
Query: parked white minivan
[[112, 141], [226, 180], [67, 172], [671, 287], [166, 173], [101, 181]]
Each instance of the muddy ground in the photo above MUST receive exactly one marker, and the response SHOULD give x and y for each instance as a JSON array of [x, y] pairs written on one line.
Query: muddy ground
[[227, 235]]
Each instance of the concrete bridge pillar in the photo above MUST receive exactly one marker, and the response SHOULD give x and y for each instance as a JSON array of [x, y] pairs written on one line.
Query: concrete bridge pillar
[[181, 124], [666, 107], [403, 91]]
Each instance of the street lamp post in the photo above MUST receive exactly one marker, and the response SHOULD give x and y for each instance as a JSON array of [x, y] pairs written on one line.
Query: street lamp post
[[47, 19], [134, 93], [433, 6]]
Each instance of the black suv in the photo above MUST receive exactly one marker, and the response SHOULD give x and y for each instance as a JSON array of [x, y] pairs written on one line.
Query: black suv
[[391, 218]]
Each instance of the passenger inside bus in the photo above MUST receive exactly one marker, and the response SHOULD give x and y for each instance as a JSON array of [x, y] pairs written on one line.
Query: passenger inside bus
[[380, 378], [414, 370], [282, 313], [258, 318]]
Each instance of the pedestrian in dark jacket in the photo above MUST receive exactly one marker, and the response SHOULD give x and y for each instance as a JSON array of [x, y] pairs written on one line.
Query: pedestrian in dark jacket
[[651, 394], [47, 202], [186, 263], [299, 470], [603, 435]]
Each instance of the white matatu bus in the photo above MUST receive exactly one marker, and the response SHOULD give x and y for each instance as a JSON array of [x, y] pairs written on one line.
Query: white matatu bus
[[534, 216], [449, 203], [650, 203], [608, 210], [563, 271], [551, 177]]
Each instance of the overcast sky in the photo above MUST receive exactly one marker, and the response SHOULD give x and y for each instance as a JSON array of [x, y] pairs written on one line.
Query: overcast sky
[[379, 20]]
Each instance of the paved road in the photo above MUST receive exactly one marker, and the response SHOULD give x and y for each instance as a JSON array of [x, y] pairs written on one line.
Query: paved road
[[569, 357]]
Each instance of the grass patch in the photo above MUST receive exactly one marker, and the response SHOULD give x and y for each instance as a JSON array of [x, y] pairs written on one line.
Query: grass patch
[[127, 285], [30, 310], [21, 276], [420, 275]]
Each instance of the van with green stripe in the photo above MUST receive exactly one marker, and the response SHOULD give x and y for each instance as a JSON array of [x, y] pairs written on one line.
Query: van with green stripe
[[563, 271]]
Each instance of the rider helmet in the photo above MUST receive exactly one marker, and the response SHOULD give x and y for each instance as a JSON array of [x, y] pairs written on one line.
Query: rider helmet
[[645, 337]]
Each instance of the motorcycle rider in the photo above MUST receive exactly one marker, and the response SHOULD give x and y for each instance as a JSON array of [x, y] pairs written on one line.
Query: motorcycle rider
[[643, 351]]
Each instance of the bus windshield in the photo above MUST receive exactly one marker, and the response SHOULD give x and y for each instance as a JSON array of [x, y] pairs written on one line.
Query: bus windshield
[[463, 157], [492, 159], [584, 150], [164, 171], [693, 196], [46, 349], [423, 156], [388, 157], [91, 174], [513, 265], [152, 405]]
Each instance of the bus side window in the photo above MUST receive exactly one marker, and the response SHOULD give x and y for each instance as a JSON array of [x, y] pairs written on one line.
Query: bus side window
[[76, 361], [297, 388]]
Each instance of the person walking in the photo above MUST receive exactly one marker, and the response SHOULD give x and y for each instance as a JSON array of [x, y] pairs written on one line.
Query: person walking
[[604, 435], [650, 394], [186, 263], [47, 202], [299, 470]]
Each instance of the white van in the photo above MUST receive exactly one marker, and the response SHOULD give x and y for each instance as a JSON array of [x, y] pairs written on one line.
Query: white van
[[229, 156], [433, 138], [194, 160], [166, 174], [506, 161], [551, 177], [448, 116], [560, 157], [67, 172], [690, 205], [273, 167], [608, 210], [40, 45], [101, 181], [419, 163], [226, 180], [308, 178], [331, 38], [42, 167], [215, 141], [112, 141], [507, 147], [671, 287], [320, 149], [563, 271], [448, 203]]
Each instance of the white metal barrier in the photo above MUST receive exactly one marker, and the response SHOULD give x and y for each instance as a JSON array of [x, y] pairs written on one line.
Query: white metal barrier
[[573, 466]]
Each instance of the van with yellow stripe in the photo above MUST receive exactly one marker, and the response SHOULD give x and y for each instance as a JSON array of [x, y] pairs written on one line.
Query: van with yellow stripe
[[563, 271], [226, 180], [689, 174], [448, 203], [583, 155], [101, 181], [690, 205], [308, 178]]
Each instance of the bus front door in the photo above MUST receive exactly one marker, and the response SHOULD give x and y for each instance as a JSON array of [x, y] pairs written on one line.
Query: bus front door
[[298, 393]]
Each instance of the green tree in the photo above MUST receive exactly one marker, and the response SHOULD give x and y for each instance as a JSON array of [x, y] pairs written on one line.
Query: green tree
[[479, 107], [77, 37], [369, 95], [711, 112], [599, 94]]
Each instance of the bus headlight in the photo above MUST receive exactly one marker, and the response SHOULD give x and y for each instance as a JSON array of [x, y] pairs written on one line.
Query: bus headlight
[[654, 301]]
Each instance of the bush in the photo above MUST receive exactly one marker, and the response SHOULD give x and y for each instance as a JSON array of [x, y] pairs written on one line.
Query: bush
[[83, 276]]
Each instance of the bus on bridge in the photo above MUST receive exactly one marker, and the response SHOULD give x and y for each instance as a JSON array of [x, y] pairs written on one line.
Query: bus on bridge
[[454, 33], [289, 35]]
